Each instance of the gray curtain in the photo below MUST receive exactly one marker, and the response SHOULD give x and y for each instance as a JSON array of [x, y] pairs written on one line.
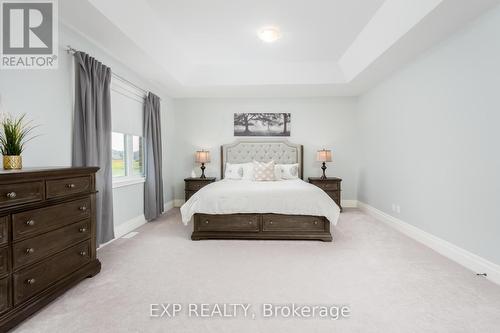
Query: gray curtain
[[153, 188], [92, 134]]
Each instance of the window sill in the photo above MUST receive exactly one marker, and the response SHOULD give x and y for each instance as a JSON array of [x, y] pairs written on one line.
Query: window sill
[[128, 181]]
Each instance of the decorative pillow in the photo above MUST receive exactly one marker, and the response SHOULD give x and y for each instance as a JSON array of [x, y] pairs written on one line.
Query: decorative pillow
[[277, 172], [233, 171], [289, 171], [247, 171], [263, 171]]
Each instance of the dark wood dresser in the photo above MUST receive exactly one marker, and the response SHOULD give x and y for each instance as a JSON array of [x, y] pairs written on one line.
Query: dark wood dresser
[[331, 186], [192, 185], [47, 237]]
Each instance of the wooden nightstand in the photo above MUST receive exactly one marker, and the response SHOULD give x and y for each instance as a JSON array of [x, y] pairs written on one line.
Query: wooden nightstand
[[192, 185], [331, 186]]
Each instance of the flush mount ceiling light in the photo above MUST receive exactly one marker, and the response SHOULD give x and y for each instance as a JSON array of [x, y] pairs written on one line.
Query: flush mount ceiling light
[[269, 34]]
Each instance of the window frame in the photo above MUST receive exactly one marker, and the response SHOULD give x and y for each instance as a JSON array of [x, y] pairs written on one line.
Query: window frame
[[130, 179]]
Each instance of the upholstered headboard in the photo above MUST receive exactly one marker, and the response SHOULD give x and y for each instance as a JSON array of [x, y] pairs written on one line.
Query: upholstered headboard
[[280, 151]]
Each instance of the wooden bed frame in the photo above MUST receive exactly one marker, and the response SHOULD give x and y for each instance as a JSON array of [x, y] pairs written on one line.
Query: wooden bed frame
[[261, 226]]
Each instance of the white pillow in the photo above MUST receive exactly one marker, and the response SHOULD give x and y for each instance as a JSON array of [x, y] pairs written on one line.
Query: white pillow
[[277, 172], [233, 171], [289, 171], [247, 171], [263, 171]]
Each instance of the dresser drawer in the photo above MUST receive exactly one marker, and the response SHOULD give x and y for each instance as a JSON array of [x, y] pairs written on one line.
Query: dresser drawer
[[5, 302], [326, 185], [67, 186], [194, 185], [34, 279], [276, 222], [236, 222], [33, 249], [4, 230], [36, 221], [19, 193], [4, 261]]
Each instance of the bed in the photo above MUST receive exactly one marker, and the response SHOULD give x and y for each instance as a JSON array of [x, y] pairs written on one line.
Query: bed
[[243, 209]]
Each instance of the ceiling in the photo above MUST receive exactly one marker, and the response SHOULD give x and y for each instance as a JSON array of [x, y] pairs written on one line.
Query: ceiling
[[212, 32], [199, 48]]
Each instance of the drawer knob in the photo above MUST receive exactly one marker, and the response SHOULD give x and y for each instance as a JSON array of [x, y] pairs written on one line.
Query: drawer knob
[[270, 222], [83, 253], [70, 185], [30, 250], [31, 281], [83, 229], [250, 222], [11, 195], [83, 208], [206, 222], [30, 222], [315, 222]]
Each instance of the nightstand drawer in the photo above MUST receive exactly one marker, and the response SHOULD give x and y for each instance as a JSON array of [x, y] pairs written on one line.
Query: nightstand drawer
[[237, 222], [194, 185], [331, 186], [335, 195], [326, 185]]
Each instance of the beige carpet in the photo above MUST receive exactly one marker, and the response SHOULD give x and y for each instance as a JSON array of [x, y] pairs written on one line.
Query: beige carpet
[[390, 282]]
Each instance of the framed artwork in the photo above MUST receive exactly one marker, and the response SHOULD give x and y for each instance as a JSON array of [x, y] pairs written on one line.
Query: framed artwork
[[262, 124]]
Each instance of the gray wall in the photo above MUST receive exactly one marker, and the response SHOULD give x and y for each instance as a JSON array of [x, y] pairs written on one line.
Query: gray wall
[[46, 96], [430, 138], [316, 123]]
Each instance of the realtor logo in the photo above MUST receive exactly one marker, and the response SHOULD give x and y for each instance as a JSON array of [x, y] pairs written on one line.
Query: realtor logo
[[29, 34]]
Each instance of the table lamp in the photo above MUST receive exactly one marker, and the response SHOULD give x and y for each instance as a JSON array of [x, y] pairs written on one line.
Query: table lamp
[[202, 156], [324, 156]]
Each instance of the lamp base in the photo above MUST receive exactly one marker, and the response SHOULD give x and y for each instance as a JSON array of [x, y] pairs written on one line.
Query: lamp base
[[323, 177], [203, 171]]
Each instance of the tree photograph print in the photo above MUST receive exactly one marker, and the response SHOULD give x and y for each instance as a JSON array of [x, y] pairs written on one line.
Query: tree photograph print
[[262, 124]]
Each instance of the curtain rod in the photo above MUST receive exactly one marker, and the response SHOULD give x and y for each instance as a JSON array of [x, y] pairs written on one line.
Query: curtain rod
[[71, 50]]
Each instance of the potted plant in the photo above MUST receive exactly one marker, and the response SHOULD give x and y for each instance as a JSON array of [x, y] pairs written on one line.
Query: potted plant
[[14, 134]]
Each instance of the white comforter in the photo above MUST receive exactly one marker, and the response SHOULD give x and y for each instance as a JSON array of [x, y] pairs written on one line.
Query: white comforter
[[293, 197]]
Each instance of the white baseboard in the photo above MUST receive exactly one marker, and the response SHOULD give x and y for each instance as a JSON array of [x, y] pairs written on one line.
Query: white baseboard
[[465, 258], [126, 227], [349, 203], [132, 224], [168, 205], [179, 202]]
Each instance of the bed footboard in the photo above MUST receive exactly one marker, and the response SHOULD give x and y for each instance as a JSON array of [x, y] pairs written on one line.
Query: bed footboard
[[261, 226]]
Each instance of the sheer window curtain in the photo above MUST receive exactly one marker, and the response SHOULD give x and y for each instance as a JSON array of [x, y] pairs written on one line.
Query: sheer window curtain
[[92, 134], [153, 187]]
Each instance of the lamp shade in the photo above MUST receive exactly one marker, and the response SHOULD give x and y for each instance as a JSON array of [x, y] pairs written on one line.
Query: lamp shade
[[324, 155], [202, 156]]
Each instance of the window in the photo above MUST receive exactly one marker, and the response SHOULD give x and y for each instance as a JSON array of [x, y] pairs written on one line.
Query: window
[[118, 154], [128, 156], [127, 108], [137, 156]]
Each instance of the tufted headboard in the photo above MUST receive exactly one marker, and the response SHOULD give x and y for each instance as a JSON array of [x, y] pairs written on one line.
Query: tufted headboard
[[280, 151]]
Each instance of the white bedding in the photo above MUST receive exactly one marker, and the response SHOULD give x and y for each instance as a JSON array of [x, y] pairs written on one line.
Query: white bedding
[[292, 197]]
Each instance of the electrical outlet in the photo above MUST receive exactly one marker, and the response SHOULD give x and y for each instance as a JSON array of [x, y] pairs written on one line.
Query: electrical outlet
[[398, 209]]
